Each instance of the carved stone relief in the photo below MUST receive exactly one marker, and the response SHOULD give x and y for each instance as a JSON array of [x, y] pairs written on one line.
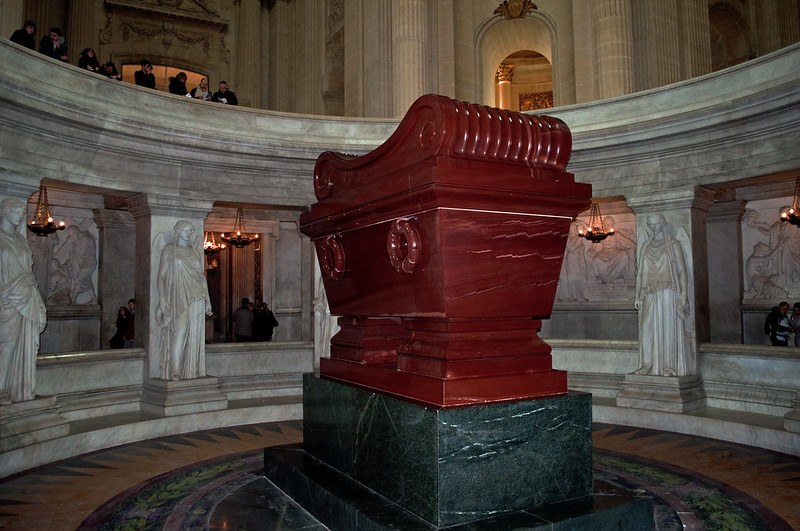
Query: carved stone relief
[[600, 271], [771, 250], [65, 264]]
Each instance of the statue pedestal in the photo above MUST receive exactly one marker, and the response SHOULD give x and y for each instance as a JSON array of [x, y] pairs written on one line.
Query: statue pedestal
[[370, 461], [167, 398], [673, 394], [29, 422]]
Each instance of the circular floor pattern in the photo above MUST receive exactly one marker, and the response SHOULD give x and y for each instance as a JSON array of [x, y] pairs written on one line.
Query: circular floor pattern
[[231, 493]]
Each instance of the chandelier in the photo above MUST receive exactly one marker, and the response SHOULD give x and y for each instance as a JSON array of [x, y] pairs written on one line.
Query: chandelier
[[793, 214], [595, 232], [210, 244], [238, 238], [42, 223]]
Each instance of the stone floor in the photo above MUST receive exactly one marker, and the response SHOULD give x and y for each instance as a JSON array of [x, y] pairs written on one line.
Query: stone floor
[[212, 480]]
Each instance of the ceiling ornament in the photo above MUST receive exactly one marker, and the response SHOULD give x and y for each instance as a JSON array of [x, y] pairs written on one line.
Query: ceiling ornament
[[511, 9]]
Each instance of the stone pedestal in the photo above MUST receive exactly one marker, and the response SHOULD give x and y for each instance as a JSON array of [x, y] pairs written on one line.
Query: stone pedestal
[[370, 461], [29, 422], [674, 394], [167, 398]]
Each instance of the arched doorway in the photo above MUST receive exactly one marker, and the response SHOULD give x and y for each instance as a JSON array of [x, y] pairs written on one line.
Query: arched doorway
[[524, 82], [531, 40]]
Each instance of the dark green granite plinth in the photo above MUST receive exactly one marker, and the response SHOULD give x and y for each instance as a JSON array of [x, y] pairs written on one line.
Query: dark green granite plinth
[[341, 503], [454, 465]]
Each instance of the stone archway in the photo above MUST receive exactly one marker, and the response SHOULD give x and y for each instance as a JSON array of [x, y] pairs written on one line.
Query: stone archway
[[499, 38]]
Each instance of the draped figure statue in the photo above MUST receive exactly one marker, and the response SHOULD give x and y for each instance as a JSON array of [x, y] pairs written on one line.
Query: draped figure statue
[[22, 312], [662, 299], [183, 302]]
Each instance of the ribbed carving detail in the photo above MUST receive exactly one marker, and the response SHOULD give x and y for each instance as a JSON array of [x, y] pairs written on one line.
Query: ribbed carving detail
[[439, 126]]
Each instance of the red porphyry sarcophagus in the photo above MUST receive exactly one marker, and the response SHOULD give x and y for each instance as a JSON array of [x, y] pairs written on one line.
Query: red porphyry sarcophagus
[[442, 250]]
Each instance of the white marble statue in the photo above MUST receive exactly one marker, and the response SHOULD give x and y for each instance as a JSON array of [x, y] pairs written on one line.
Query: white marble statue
[[183, 304], [662, 299], [22, 312]]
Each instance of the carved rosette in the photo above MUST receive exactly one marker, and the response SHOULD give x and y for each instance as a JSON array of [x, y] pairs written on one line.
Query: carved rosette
[[332, 259], [404, 245]]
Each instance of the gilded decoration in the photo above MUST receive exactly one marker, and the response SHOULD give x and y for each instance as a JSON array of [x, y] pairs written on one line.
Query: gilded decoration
[[531, 101], [511, 9], [504, 73]]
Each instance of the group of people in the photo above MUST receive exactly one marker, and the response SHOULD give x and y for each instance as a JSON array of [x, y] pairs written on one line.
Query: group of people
[[253, 324], [55, 45], [780, 326], [177, 85]]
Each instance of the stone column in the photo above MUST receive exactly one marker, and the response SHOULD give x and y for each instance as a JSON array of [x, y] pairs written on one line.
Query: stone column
[[725, 254], [503, 79], [672, 300], [155, 220], [659, 61], [696, 46], [117, 244], [409, 27], [377, 69], [248, 53], [281, 45], [310, 56], [353, 58], [614, 47], [80, 31]]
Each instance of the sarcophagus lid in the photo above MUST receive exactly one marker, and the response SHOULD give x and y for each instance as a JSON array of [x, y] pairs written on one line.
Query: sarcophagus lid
[[462, 213]]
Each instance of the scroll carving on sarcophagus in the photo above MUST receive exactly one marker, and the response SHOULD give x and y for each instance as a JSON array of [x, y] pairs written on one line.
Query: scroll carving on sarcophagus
[[442, 250]]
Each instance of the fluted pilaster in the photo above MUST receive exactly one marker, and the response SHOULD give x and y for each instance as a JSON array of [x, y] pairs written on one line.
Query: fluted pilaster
[[281, 45], [248, 53], [80, 28], [310, 54], [409, 24], [696, 44], [658, 44], [614, 45], [377, 77]]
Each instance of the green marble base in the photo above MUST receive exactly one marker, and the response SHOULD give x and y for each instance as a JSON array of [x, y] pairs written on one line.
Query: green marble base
[[454, 465], [340, 502]]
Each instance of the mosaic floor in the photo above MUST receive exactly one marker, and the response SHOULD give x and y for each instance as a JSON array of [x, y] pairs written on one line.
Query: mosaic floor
[[211, 480]]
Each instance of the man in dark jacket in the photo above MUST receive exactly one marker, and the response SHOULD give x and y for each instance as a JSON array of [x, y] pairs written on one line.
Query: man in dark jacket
[[145, 76], [53, 45], [24, 35], [223, 95]]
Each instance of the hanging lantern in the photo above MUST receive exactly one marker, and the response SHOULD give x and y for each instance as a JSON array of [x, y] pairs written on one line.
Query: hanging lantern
[[793, 214], [210, 244], [595, 232], [239, 236], [42, 223]]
